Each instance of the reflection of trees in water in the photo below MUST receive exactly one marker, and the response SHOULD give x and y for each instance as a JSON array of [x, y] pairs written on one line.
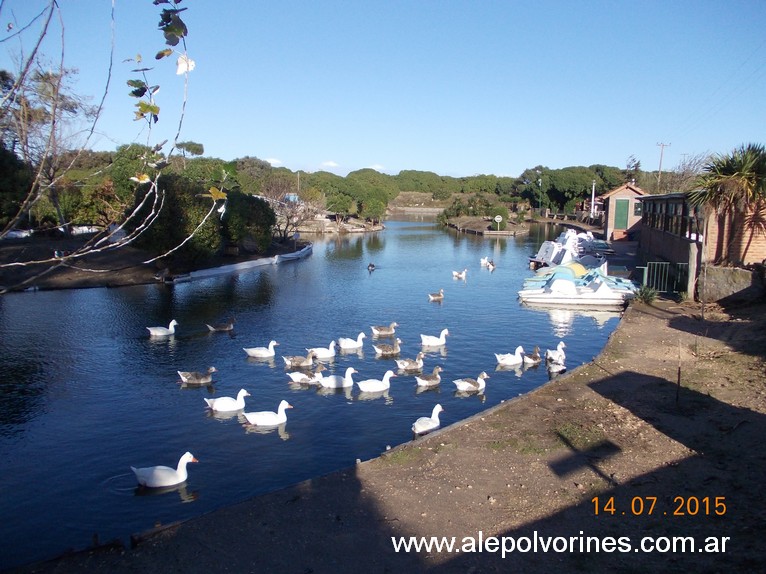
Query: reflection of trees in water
[[375, 242], [22, 393], [345, 247]]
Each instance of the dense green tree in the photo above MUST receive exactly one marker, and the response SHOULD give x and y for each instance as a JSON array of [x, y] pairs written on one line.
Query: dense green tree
[[248, 221]]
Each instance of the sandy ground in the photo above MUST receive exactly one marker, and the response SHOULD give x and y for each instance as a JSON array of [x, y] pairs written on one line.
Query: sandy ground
[[613, 450]]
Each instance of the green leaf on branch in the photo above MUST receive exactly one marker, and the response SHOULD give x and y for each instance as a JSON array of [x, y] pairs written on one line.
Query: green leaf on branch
[[163, 54]]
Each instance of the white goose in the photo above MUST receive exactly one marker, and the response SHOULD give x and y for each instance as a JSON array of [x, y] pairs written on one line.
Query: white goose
[[160, 476], [323, 352], [510, 359], [261, 352], [472, 385], [484, 261], [534, 358], [228, 404], [298, 362], [197, 378], [338, 382], [432, 341], [459, 274], [376, 385], [383, 350], [269, 418], [163, 331], [411, 365], [557, 355], [436, 296], [426, 424], [348, 344], [306, 378], [429, 380], [383, 330]]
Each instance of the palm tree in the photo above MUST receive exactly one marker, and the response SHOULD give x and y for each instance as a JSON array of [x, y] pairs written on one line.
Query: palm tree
[[734, 185]]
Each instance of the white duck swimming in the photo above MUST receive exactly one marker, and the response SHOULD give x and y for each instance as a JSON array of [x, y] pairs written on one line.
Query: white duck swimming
[[557, 355], [432, 341], [197, 378], [411, 365], [430, 380], [269, 418], [298, 362], [436, 296], [163, 331], [459, 274], [228, 404], [307, 378], [472, 385], [534, 358], [383, 350], [348, 344], [338, 382], [261, 352], [424, 425], [484, 261], [159, 476], [376, 385], [510, 359], [323, 352], [384, 331]]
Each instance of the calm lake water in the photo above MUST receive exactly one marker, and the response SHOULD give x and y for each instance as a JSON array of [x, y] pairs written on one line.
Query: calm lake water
[[86, 393]]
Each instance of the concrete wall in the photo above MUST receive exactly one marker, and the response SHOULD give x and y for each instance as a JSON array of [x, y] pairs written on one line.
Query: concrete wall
[[731, 284]]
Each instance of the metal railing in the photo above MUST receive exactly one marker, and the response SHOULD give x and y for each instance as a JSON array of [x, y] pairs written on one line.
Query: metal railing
[[665, 277]]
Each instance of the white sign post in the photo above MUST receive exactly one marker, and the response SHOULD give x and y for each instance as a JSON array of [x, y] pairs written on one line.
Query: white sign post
[[498, 220]]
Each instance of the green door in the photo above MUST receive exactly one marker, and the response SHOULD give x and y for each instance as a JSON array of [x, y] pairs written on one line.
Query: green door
[[621, 213]]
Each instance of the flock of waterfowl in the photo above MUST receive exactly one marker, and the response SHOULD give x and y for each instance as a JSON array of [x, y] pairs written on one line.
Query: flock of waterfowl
[[308, 370]]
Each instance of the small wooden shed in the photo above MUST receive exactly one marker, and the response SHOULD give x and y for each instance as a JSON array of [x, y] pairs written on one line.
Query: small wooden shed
[[622, 210]]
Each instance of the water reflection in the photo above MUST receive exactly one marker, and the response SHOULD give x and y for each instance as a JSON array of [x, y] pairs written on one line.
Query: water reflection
[[184, 494]]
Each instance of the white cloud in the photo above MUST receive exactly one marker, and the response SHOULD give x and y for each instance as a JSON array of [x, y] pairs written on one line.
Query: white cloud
[[330, 164], [274, 161]]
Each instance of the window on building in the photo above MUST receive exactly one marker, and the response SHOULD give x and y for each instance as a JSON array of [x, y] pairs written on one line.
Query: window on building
[[638, 208]]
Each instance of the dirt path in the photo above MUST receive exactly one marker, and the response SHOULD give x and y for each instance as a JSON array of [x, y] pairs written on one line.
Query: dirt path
[[617, 435]]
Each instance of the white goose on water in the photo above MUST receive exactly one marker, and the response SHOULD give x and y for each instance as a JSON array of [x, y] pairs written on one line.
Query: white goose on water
[[269, 418], [298, 362], [261, 352], [161, 476], [163, 331], [436, 296], [534, 358], [376, 385], [557, 355], [429, 380], [472, 385], [415, 364], [383, 330], [197, 378], [348, 344], [432, 341], [459, 274], [338, 382], [424, 425], [484, 261], [383, 350], [228, 404], [321, 353], [510, 359], [305, 378]]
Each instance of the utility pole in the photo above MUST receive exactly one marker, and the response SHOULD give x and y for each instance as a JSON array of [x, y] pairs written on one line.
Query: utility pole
[[659, 173]]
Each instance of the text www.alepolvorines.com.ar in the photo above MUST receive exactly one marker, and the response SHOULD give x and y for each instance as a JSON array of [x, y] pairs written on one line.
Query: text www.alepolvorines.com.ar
[[536, 543]]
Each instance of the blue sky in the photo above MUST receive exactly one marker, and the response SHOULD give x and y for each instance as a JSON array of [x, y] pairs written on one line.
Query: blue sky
[[454, 87]]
